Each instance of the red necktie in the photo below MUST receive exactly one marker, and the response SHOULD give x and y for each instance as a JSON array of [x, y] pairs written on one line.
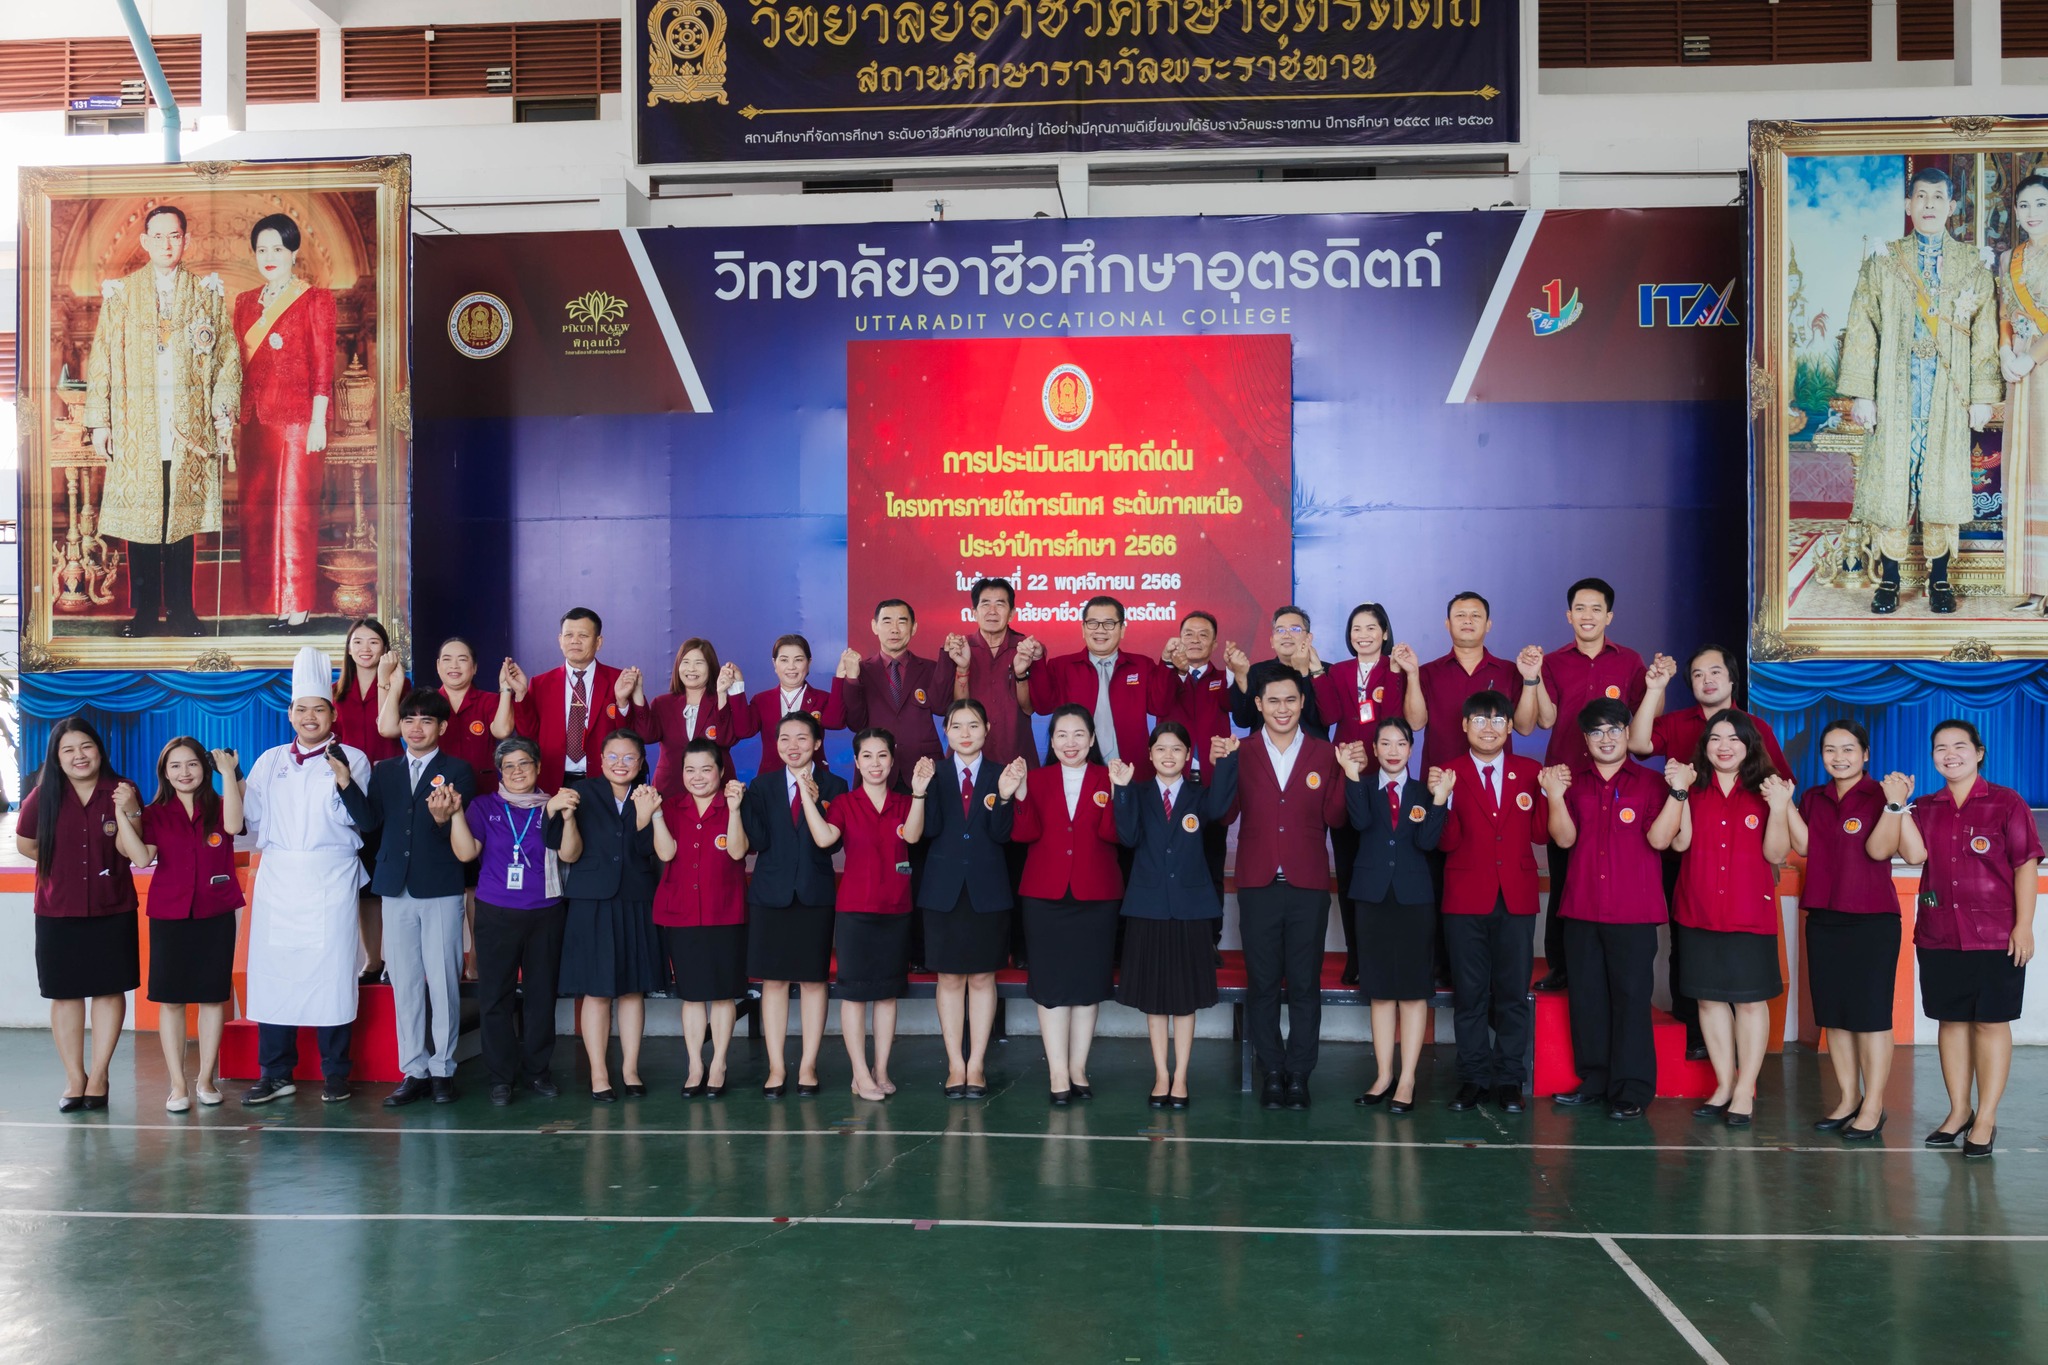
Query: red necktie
[[1168, 796], [1492, 796], [966, 794], [796, 806], [298, 757], [1394, 802], [896, 682], [579, 719]]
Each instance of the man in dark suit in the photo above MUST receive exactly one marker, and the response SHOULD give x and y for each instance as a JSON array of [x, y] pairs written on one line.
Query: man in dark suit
[[1291, 792], [412, 798], [1294, 649], [897, 690], [569, 711]]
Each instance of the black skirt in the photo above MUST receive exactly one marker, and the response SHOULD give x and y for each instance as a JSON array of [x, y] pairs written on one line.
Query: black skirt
[[1852, 962], [610, 948], [966, 942], [1967, 985], [1396, 951], [1169, 965], [789, 942], [1073, 950], [1728, 966], [707, 961], [192, 961], [79, 957], [874, 955]]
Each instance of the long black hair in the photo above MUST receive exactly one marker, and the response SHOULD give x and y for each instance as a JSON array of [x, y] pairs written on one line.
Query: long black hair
[[205, 800], [1087, 718], [53, 785], [1756, 764], [346, 687]]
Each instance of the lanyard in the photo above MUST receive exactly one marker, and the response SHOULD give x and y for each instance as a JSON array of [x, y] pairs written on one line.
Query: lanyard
[[519, 835]]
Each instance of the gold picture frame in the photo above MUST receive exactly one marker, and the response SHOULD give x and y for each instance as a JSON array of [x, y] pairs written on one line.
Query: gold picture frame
[[1813, 574], [82, 227]]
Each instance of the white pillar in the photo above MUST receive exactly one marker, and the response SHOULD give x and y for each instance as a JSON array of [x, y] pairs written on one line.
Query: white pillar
[[224, 64], [1979, 44], [1541, 183], [1884, 38], [330, 64]]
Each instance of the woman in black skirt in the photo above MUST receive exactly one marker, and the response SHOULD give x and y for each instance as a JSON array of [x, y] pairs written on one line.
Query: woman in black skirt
[[1070, 889], [86, 947], [789, 903], [1169, 969], [611, 952], [701, 909], [876, 825], [965, 892], [1848, 828], [188, 830], [1399, 821], [1974, 933], [1734, 827]]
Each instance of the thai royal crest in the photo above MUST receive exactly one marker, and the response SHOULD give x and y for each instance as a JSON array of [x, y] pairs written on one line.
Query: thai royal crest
[[685, 51]]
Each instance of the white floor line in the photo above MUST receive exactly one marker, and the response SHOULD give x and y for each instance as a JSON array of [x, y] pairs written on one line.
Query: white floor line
[[855, 1129], [1672, 1314]]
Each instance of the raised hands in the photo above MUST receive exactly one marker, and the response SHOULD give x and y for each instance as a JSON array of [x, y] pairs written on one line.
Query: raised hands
[[1174, 656], [338, 765], [1121, 773], [955, 649], [1441, 780], [1898, 788], [1403, 659], [512, 678], [563, 802], [1663, 668], [1221, 746], [807, 787], [126, 800], [1680, 776], [849, 665], [226, 762], [1555, 780], [1776, 792], [646, 801], [628, 684], [1234, 657], [442, 803], [921, 776], [1012, 780], [729, 679], [1351, 758], [735, 792], [1529, 663], [387, 668]]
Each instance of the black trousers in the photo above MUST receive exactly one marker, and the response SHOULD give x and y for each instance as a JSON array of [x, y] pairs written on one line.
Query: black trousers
[[1612, 968], [514, 947], [1283, 928], [277, 1050], [160, 576], [1215, 838], [1344, 846], [1553, 927], [1684, 1008], [1490, 993]]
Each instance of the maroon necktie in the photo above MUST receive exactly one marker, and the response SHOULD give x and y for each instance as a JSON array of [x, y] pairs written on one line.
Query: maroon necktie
[[1394, 803], [1168, 798], [298, 757], [579, 719], [1492, 796], [796, 806], [895, 682], [966, 794]]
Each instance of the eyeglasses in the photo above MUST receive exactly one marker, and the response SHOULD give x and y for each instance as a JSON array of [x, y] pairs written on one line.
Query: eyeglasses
[[1606, 732], [517, 765], [1487, 722], [1099, 624], [621, 760], [1290, 630]]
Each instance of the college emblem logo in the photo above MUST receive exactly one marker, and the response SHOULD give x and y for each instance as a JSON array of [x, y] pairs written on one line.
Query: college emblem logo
[[919, 694], [107, 827], [1852, 826], [1190, 823], [1628, 815], [479, 325], [213, 839], [899, 831], [989, 800], [711, 732], [1379, 694], [611, 708], [1314, 780], [596, 324], [1522, 801], [1102, 798], [1068, 396], [1415, 815], [1980, 844], [817, 715], [1613, 694], [1557, 312], [476, 727], [1215, 684], [1749, 821], [719, 842], [438, 782]]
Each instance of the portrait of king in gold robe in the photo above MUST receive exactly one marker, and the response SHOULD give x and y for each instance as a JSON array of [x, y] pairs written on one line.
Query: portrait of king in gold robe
[[1920, 362]]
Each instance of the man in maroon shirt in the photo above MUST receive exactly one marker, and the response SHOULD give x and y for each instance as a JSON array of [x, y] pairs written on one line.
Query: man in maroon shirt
[[991, 667], [896, 690], [1620, 816], [1442, 685], [1555, 688]]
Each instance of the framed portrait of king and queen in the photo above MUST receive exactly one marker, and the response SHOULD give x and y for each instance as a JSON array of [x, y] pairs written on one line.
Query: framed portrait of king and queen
[[1899, 388], [213, 409]]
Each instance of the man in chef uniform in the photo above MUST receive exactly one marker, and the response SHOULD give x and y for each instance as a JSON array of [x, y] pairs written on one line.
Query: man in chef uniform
[[304, 949]]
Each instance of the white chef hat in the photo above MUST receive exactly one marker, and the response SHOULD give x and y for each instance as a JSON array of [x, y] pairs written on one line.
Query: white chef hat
[[312, 675]]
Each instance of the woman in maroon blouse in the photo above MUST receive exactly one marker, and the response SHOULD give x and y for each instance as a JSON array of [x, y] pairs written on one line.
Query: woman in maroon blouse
[[370, 673], [1848, 828], [876, 825], [1974, 933], [86, 946], [701, 908], [188, 830], [1732, 830], [693, 708]]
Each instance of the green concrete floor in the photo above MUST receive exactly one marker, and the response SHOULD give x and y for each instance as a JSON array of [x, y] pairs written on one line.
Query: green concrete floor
[[664, 1230]]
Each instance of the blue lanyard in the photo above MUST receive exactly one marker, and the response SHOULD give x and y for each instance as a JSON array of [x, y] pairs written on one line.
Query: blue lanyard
[[519, 835]]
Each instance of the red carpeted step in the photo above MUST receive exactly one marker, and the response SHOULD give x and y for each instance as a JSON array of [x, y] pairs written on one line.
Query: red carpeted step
[[373, 1050], [1555, 1073]]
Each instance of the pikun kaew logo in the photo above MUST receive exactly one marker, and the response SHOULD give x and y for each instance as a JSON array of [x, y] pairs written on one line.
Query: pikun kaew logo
[[596, 324], [1557, 312]]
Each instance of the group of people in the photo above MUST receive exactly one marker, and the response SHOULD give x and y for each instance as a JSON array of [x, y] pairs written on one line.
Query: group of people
[[529, 822]]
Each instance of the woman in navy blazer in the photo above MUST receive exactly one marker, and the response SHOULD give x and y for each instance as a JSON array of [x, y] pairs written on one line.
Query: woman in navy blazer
[[965, 894], [1398, 820], [1171, 900]]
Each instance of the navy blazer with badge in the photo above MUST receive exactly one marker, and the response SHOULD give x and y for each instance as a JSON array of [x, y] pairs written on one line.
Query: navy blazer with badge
[[1169, 869], [966, 852], [789, 867], [414, 858], [1392, 858], [618, 858]]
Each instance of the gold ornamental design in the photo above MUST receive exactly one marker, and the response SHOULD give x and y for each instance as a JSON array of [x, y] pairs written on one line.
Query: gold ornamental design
[[595, 307], [686, 52]]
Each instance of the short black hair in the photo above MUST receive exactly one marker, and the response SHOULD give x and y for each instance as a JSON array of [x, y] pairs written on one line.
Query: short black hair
[[966, 704], [1489, 702], [1292, 610], [1103, 601], [1386, 723], [705, 746], [1170, 729], [1071, 711], [281, 223], [1728, 657], [784, 640], [584, 614], [1958, 723], [805, 719], [1201, 616], [428, 702], [1599, 585], [1469, 596], [872, 732], [1267, 672], [171, 209], [982, 585], [1931, 175], [1853, 729], [1604, 711], [886, 603]]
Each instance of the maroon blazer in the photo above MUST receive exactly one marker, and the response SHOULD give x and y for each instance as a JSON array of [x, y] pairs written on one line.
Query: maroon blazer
[[1288, 831], [661, 722], [1078, 854], [1203, 705], [762, 713], [1138, 688], [1487, 847], [1337, 699], [927, 692], [542, 716]]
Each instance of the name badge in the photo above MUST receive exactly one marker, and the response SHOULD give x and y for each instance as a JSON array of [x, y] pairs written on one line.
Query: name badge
[[515, 878]]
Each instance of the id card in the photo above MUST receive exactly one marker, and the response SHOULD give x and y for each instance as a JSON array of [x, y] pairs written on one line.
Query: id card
[[515, 877]]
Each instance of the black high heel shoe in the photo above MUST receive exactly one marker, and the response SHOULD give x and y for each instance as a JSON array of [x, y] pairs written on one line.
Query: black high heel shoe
[[1179, 1101], [1061, 1098], [1371, 1097], [1851, 1133], [634, 1089], [775, 1092], [806, 1091], [1400, 1106], [70, 1104], [1713, 1111], [1735, 1120], [1156, 1101], [691, 1092], [606, 1096], [1942, 1137], [95, 1101], [1832, 1125], [1083, 1091], [1977, 1149]]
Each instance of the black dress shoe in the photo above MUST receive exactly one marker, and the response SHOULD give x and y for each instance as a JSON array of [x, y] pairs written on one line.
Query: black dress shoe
[[1371, 1097], [1696, 1052], [1621, 1113], [501, 1095], [185, 625], [1297, 1092], [1179, 1101], [1400, 1106], [1885, 600], [1851, 1133], [775, 1092], [1977, 1149], [971, 1091], [1575, 1097], [70, 1104], [1273, 1094], [1509, 1097], [956, 1092], [94, 1102], [715, 1092], [1941, 598], [1833, 1125], [1061, 1098], [411, 1090], [634, 1089], [1735, 1120], [444, 1090], [135, 628], [605, 1096], [544, 1086], [1555, 981], [1350, 975], [1155, 1101], [1941, 1137], [806, 1091], [372, 976], [692, 1089], [1468, 1097], [1083, 1091], [1714, 1111]]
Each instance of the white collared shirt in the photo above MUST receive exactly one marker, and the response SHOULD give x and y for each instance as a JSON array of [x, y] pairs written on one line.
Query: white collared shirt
[[793, 702], [1283, 759], [569, 675], [1070, 781], [973, 767], [1169, 792], [416, 764]]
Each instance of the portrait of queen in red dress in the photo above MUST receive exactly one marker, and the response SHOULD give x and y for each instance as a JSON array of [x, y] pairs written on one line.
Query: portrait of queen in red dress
[[286, 329]]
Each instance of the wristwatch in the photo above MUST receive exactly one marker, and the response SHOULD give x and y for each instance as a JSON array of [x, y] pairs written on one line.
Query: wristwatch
[[1679, 793], [1892, 808]]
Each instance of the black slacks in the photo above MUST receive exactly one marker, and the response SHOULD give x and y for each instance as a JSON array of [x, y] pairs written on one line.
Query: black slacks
[[1684, 1008], [277, 1050], [1612, 968], [160, 576], [1344, 846], [1553, 927], [1283, 928], [1215, 838], [1490, 993], [515, 947]]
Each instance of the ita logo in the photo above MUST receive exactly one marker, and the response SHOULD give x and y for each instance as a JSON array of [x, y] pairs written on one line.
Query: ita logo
[[1557, 312], [1686, 305], [1069, 396]]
